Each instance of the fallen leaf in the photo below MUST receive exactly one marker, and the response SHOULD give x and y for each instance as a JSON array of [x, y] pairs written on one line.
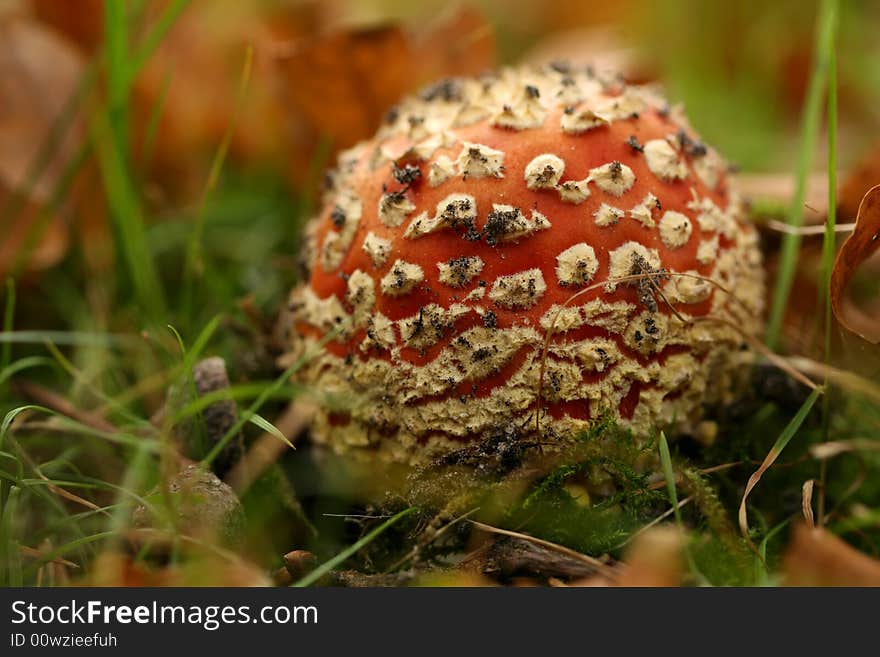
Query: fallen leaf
[[184, 98], [656, 558], [308, 85], [82, 21], [858, 247], [342, 84], [457, 43], [816, 557], [119, 569], [39, 73], [345, 82], [50, 241], [802, 334], [861, 177], [454, 579]]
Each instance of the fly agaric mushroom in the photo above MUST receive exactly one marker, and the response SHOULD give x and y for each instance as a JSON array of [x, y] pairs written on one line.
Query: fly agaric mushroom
[[453, 244]]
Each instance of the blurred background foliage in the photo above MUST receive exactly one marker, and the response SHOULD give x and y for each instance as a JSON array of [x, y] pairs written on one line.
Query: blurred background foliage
[[741, 69], [158, 159]]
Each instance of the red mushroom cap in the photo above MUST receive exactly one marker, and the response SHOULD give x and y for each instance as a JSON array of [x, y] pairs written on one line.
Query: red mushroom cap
[[451, 243]]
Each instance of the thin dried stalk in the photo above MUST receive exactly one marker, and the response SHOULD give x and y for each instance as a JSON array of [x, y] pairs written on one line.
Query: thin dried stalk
[[596, 564]]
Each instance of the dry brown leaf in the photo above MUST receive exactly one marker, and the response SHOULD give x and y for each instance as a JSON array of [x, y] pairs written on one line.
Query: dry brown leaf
[[344, 83], [454, 579], [82, 21], [816, 557], [193, 79], [118, 569], [858, 247], [656, 558], [457, 43], [831, 449], [862, 177], [307, 85], [39, 73], [807, 502]]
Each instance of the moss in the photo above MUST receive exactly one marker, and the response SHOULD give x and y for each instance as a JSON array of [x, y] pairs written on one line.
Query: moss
[[713, 511], [597, 498], [718, 564], [275, 515]]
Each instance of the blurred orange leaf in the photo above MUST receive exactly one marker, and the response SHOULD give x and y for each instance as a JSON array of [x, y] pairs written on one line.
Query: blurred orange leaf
[[81, 21], [39, 74], [345, 82], [861, 177], [121, 570], [858, 247], [818, 558], [308, 83], [462, 43], [656, 558], [183, 100]]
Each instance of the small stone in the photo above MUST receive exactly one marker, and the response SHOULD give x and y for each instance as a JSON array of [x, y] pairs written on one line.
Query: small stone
[[203, 506]]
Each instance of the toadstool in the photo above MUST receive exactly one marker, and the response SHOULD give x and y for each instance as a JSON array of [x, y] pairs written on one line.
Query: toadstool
[[483, 221]]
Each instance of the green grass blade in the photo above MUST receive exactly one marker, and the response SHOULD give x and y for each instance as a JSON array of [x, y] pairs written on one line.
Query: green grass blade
[[110, 131], [795, 423], [203, 338], [10, 560], [270, 428], [194, 265], [828, 242], [116, 62], [250, 412], [14, 413], [84, 380], [190, 356], [73, 338], [262, 399], [23, 364], [148, 143], [763, 577], [8, 318], [781, 442], [828, 250], [669, 475], [127, 215], [67, 548], [327, 566], [240, 392], [154, 38], [134, 479], [19, 466], [809, 128], [76, 428], [189, 361]]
